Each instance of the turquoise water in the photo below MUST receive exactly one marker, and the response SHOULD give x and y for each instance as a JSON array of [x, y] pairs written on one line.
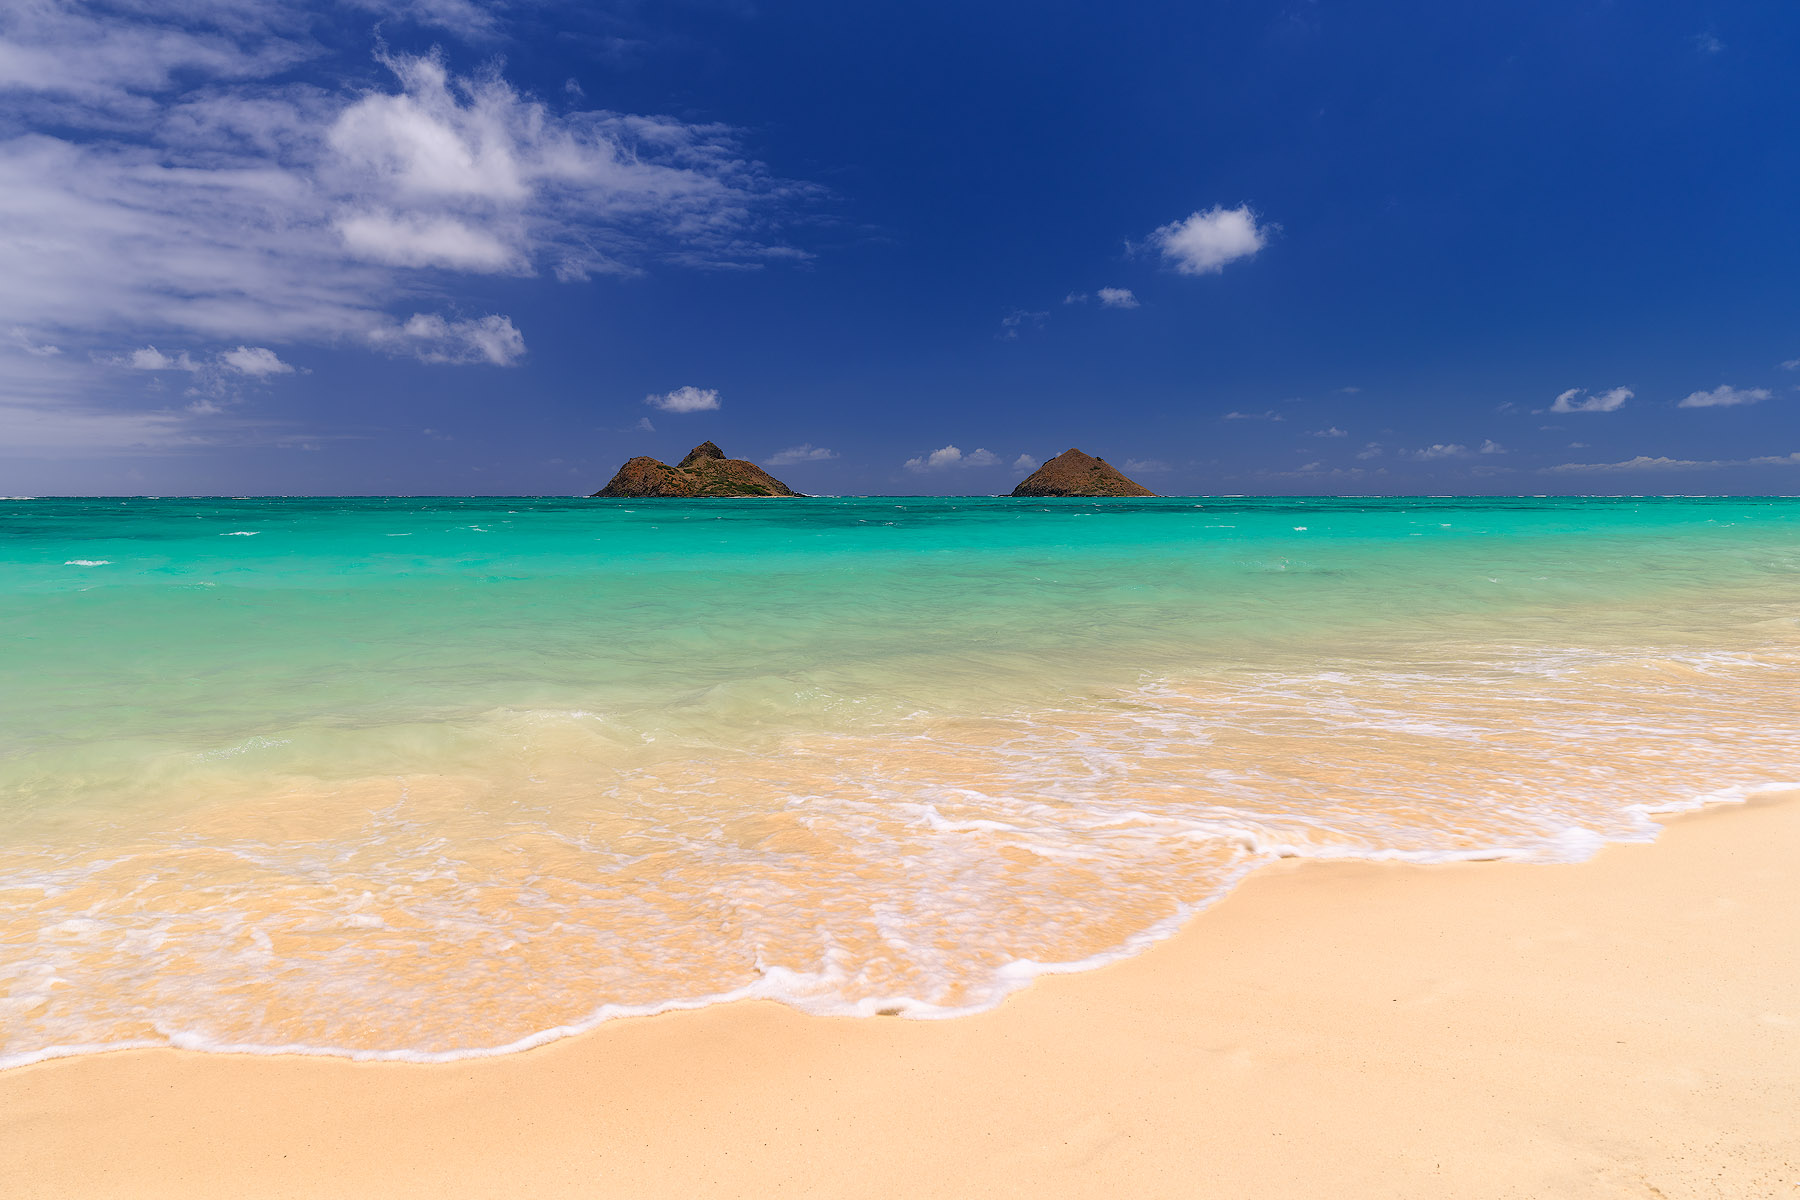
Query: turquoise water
[[427, 777]]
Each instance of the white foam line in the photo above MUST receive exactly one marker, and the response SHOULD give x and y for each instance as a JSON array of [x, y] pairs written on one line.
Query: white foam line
[[1577, 844]]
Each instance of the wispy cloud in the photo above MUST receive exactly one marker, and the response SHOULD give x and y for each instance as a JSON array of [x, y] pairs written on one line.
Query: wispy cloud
[[257, 361], [1333, 432], [1111, 297], [1268, 414], [1577, 400], [685, 400], [803, 453], [1645, 462], [1017, 319], [175, 185], [1490, 446], [1203, 243], [1441, 450], [1145, 466], [949, 456], [1724, 396]]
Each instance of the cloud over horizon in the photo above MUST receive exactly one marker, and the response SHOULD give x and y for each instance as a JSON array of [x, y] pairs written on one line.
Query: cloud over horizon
[[949, 456]]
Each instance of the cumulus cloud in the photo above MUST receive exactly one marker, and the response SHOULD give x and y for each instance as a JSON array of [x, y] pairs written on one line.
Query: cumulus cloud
[[1025, 464], [685, 400], [1111, 297], [257, 361], [1206, 241], [1577, 400], [1490, 446], [950, 456], [1441, 450], [803, 453], [1724, 396], [1370, 450]]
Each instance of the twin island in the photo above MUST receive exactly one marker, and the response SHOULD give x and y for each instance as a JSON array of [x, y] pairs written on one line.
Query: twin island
[[707, 474]]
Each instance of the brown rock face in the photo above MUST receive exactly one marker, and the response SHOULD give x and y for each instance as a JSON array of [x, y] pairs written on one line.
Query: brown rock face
[[1073, 473], [704, 473]]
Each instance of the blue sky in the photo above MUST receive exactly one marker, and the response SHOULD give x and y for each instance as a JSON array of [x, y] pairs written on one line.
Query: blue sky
[[435, 246]]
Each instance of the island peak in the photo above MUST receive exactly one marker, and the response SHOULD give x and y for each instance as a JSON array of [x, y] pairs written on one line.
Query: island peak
[[704, 474], [1073, 473]]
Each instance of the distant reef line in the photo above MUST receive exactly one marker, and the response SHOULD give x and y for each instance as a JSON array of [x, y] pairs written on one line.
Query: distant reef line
[[707, 474]]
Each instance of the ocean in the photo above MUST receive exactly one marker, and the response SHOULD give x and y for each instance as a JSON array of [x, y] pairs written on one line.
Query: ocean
[[431, 778]]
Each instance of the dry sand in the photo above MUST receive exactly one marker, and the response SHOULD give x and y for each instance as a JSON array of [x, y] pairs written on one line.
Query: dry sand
[[1625, 1027]]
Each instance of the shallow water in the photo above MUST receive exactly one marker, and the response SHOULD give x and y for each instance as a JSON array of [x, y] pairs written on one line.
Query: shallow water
[[424, 778]]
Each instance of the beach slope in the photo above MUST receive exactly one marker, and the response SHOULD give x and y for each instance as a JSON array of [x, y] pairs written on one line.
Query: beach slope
[[1627, 1027]]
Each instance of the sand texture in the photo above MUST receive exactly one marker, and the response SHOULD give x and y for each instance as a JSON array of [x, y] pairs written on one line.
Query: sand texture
[[1626, 1027]]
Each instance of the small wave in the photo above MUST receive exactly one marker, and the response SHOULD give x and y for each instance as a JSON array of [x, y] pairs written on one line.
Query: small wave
[[241, 533], [88, 562]]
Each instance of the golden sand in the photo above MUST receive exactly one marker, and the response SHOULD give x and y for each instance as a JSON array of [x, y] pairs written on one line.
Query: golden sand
[[1625, 1027]]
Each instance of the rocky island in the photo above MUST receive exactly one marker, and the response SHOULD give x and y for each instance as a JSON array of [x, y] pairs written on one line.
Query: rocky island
[[1073, 473], [705, 473]]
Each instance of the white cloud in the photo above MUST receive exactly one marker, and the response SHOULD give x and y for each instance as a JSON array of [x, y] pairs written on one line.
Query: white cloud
[[162, 179], [1724, 396], [1075, 298], [1645, 462], [644, 425], [1206, 241], [1145, 466], [1490, 446], [685, 400], [430, 338], [1441, 450], [1111, 297], [414, 241], [19, 337], [149, 358], [805, 452], [1370, 450], [1018, 319], [1268, 414], [1026, 464], [257, 361], [1792, 364], [1333, 432], [1572, 401], [950, 456], [1708, 44]]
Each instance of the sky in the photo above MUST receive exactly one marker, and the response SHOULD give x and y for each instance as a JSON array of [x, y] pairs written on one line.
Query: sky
[[1233, 247]]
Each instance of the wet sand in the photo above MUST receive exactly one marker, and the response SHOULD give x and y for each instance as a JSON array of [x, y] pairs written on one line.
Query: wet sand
[[1624, 1027]]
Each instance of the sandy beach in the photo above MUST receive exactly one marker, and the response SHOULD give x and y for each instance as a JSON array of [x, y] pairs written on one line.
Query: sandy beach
[[1629, 1026]]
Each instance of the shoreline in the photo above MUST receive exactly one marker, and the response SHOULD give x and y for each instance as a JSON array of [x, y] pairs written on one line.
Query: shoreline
[[1596, 1028]]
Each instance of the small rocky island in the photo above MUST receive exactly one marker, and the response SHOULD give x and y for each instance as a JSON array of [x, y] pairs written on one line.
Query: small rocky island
[[705, 473], [1073, 473]]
